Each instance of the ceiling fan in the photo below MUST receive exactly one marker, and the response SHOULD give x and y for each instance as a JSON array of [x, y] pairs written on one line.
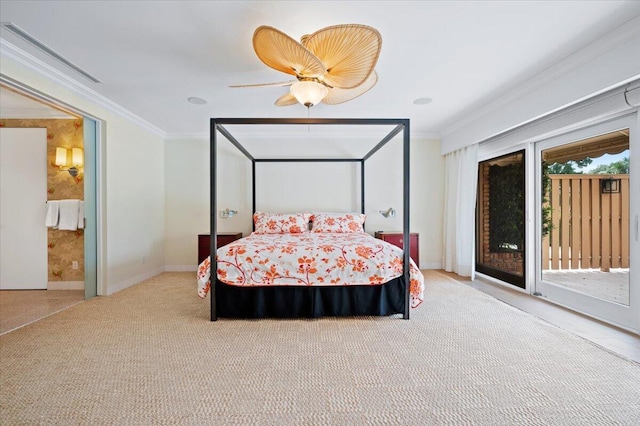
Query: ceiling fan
[[332, 65]]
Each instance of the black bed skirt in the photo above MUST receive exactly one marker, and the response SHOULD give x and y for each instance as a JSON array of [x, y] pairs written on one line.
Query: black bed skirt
[[310, 302]]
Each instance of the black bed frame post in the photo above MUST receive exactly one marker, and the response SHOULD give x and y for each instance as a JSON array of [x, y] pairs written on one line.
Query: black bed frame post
[[213, 227], [253, 192], [405, 220], [362, 186]]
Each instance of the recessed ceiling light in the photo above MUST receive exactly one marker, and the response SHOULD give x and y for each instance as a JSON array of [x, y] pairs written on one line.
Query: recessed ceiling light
[[422, 101], [197, 101]]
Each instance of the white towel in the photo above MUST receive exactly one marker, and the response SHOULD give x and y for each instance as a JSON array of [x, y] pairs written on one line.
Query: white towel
[[81, 215], [53, 212], [69, 210]]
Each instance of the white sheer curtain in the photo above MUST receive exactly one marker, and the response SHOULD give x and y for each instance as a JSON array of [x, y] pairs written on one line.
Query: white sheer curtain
[[461, 181]]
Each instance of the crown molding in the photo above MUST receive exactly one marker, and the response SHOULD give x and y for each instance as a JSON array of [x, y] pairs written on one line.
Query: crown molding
[[606, 43], [41, 68]]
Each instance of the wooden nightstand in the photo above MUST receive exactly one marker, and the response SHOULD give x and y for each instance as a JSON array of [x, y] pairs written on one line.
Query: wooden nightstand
[[395, 238], [222, 239]]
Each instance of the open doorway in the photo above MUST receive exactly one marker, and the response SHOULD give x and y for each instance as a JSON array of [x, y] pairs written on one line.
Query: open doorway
[[65, 258], [585, 221], [585, 241]]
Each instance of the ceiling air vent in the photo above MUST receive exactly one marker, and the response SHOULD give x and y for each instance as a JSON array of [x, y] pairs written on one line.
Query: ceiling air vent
[[44, 48]]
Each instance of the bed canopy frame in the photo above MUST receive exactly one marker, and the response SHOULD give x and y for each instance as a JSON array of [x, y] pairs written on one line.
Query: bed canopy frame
[[401, 126]]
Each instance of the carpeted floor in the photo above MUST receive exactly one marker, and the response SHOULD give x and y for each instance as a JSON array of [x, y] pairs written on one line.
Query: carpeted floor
[[149, 355]]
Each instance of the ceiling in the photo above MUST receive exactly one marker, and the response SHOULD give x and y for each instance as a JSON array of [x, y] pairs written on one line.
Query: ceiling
[[151, 56]]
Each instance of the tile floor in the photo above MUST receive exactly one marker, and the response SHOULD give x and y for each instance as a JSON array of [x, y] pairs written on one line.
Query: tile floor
[[21, 307], [612, 286], [612, 338]]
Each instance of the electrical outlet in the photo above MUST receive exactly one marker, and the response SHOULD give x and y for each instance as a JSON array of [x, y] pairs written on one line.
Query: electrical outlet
[[144, 259], [74, 264]]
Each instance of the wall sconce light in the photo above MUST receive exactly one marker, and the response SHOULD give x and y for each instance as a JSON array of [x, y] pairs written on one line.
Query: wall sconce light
[[77, 160], [228, 213], [609, 186], [388, 213]]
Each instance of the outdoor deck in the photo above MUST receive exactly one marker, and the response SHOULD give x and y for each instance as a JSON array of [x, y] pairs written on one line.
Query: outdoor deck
[[612, 286]]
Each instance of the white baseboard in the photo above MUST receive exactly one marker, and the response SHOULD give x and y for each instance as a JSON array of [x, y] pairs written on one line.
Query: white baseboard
[[65, 285], [114, 288], [181, 268], [432, 265]]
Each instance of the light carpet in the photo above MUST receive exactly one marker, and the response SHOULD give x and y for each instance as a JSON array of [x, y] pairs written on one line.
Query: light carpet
[[148, 355]]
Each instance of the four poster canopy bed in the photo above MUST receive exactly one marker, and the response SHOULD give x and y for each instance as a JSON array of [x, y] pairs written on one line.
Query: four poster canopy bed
[[310, 264]]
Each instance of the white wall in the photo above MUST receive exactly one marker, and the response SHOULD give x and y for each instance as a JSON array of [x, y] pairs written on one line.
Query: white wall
[[427, 200], [298, 187], [289, 187], [132, 185], [135, 204], [186, 200]]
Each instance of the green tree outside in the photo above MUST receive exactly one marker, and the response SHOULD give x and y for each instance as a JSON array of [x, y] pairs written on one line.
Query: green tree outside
[[616, 168], [569, 168]]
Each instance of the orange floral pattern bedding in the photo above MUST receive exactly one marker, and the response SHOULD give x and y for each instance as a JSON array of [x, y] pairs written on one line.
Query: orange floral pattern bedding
[[274, 223], [310, 259], [338, 222]]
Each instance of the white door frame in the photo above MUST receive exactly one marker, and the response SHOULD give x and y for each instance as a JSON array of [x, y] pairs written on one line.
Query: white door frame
[[101, 242], [627, 317]]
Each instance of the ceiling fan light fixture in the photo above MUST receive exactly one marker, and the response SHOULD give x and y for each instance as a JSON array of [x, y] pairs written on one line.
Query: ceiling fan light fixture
[[309, 93], [333, 65]]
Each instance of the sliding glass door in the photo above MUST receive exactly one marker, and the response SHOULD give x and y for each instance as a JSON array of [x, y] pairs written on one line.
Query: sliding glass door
[[500, 218], [587, 224]]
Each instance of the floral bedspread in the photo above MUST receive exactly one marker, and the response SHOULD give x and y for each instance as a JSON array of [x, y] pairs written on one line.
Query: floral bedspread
[[310, 259]]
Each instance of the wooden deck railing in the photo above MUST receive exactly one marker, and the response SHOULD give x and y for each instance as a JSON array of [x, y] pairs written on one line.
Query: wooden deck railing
[[590, 227]]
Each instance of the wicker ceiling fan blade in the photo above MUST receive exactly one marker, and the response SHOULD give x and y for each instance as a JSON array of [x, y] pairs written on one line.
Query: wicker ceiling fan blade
[[349, 52], [281, 52], [277, 84], [286, 100], [338, 96]]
